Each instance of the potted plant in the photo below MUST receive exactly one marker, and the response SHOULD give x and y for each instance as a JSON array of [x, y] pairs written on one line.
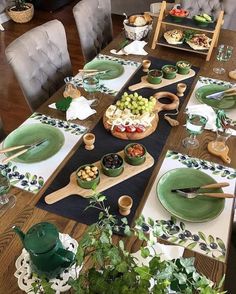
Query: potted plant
[[21, 11], [114, 270]]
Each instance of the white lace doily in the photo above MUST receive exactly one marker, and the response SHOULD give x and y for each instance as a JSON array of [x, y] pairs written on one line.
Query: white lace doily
[[59, 284]]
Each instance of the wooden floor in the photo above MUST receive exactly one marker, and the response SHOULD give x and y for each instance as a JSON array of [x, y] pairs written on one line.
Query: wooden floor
[[13, 108]]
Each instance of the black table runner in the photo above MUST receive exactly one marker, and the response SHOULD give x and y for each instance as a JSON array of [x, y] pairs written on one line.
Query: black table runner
[[73, 207]]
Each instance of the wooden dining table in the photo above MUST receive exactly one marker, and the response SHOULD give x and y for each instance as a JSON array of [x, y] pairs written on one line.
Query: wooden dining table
[[25, 213]]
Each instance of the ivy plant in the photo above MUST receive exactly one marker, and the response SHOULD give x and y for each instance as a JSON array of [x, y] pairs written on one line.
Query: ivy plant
[[108, 268]]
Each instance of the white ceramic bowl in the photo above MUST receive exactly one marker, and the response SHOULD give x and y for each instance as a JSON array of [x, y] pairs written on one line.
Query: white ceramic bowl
[[136, 33]]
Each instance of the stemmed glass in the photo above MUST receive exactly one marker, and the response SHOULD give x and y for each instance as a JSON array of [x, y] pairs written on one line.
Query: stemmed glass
[[90, 85], [195, 125], [6, 200], [224, 53]]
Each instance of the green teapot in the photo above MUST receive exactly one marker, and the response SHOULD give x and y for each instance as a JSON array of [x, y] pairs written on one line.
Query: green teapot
[[48, 257]]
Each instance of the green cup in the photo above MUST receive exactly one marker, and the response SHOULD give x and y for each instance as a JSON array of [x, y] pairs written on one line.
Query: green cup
[[134, 160], [154, 76], [169, 71], [183, 67], [83, 183], [110, 169]]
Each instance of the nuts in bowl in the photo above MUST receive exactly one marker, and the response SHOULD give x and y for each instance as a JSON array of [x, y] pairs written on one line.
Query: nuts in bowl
[[169, 71], [112, 164], [183, 67], [135, 154], [87, 176]]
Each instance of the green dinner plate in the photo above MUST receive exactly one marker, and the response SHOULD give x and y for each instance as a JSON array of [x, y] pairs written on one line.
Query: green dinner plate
[[199, 209], [115, 69], [225, 103], [28, 134]]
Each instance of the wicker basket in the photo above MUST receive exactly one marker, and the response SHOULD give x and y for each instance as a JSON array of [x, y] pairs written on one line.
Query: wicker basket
[[21, 16]]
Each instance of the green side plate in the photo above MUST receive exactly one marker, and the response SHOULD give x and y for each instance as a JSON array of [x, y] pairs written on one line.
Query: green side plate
[[114, 69], [28, 134], [225, 103], [199, 209]]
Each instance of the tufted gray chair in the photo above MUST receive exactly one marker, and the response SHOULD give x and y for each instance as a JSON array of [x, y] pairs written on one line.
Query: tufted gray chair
[[94, 24], [40, 61], [213, 7]]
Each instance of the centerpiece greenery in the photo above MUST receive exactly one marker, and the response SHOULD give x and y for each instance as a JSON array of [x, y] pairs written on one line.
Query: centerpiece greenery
[[108, 268]]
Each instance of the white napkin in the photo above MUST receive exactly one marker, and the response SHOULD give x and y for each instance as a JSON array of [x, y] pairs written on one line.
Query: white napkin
[[167, 252], [79, 108], [135, 48], [209, 112]]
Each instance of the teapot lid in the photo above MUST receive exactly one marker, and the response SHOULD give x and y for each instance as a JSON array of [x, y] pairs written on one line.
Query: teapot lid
[[41, 238]]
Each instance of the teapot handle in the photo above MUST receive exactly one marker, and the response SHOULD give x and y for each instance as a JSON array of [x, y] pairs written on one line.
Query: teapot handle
[[67, 257]]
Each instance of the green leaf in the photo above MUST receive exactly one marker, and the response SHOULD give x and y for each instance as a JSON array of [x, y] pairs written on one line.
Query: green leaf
[[150, 221], [145, 252], [101, 198], [121, 245], [104, 238], [182, 226], [143, 272], [220, 243], [211, 239], [124, 220], [63, 104], [27, 175], [127, 231], [191, 245], [202, 236], [122, 267], [182, 278], [174, 220]]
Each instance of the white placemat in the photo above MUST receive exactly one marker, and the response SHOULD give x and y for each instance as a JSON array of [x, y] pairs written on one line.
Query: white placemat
[[209, 238], [31, 177], [203, 81], [113, 86]]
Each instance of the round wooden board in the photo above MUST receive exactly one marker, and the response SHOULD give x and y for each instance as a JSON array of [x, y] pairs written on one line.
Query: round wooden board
[[135, 135]]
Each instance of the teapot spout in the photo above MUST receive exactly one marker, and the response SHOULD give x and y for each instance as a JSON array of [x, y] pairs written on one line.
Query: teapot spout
[[20, 233]]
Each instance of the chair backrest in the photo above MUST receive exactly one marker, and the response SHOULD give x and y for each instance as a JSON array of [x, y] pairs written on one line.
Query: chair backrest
[[40, 61], [94, 24], [213, 7]]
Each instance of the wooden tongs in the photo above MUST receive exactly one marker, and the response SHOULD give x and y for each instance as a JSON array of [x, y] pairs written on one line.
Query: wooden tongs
[[24, 148]]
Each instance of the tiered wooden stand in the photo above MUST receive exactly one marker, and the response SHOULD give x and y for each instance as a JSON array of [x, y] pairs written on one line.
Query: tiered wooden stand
[[165, 23]]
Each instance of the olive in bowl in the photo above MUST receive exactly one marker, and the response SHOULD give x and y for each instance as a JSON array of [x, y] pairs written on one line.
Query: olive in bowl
[[87, 176], [169, 71], [135, 154], [154, 76], [112, 164], [183, 67]]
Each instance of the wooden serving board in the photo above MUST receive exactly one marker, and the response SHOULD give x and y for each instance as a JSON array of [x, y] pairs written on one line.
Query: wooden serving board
[[145, 84], [105, 182], [135, 135]]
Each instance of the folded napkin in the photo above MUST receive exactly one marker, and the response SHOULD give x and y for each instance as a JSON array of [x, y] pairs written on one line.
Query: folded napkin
[[209, 112], [135, 48], [79, 108]]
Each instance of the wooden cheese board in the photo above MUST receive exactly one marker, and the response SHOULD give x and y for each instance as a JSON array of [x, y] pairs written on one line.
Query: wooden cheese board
[[165, 82], [105, 182], [152, 128]]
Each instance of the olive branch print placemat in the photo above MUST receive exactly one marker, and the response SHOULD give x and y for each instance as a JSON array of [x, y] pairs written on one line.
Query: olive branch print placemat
[[208, 237], [205, 81], [113, 86], [32, 176]]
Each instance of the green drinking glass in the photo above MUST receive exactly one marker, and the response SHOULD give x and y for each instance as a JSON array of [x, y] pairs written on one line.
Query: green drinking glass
[[195, 125]]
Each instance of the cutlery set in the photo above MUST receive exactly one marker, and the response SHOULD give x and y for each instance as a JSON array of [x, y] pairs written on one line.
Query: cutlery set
[[192, 192], [24, 149], [222, 94]]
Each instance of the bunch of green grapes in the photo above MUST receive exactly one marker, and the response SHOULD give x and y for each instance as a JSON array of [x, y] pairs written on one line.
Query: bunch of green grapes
[[136, 103]]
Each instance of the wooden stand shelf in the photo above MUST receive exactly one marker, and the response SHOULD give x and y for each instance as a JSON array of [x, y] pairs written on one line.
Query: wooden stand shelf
[[165, 20]]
